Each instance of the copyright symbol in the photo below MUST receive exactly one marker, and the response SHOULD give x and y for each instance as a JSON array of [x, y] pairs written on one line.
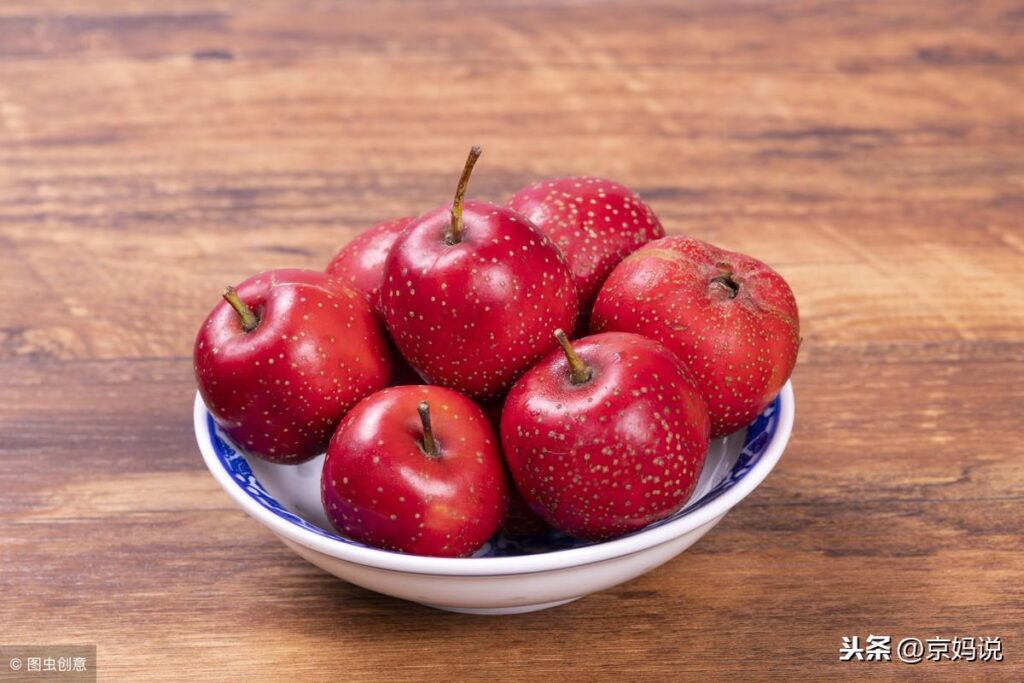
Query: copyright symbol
[[910, 650], [15, 664]]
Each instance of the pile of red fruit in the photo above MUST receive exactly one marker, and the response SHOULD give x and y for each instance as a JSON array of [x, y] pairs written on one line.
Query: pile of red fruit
[[432, 361]]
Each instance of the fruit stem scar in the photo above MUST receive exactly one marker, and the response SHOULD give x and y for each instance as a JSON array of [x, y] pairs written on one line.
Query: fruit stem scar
[[580, 371], [248, 318], [455, 230], [429, 445], [727, 282]]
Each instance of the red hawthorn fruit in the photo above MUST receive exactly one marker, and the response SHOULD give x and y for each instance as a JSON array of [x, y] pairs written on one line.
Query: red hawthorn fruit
[[416, 469], [283, 357], [471, 293], [731, 319], [605, 437], [594, 222]]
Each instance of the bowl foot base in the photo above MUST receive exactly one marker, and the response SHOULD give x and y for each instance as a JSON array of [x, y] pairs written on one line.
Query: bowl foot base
[[518, 609]]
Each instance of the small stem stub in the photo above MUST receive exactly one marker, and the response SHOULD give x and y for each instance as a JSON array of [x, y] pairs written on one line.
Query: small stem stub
[[580, 371], [429, 445], [727, 282], [457, 227], [245, 314]]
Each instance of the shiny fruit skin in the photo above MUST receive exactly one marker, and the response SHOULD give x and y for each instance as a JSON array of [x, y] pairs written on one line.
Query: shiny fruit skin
[[280, 390], [381, 488], [360, 263], [594, 222], [475, 315], [615, 453], [739, 346]]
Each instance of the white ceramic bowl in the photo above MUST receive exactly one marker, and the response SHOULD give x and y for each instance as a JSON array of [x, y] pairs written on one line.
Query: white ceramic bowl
[[507, 576]]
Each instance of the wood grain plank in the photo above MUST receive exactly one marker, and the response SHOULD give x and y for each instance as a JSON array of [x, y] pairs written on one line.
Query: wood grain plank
[[151, 153]]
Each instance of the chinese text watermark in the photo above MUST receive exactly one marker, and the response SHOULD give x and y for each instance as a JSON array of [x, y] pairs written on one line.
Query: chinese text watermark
[[42, 663], [883, 648]]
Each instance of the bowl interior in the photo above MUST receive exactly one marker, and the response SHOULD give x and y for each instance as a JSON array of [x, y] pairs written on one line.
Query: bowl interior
[[292, 492]]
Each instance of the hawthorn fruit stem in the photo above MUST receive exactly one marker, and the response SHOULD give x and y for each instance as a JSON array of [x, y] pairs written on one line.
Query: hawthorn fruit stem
[[245, 314], [429, 445], [457, 226], [580, 371]]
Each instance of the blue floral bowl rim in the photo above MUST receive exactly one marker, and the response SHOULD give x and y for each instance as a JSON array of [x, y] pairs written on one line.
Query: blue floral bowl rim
[[765, 442]]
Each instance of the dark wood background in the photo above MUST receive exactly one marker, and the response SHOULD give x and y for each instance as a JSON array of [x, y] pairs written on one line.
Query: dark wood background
[[873, 152]]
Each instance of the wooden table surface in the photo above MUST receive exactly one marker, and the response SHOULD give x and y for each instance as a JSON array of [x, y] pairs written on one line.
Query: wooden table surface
[[873, 152]]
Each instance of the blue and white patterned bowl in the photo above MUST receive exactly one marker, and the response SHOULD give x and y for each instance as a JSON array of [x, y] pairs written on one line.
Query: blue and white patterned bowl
[[507, 575]]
